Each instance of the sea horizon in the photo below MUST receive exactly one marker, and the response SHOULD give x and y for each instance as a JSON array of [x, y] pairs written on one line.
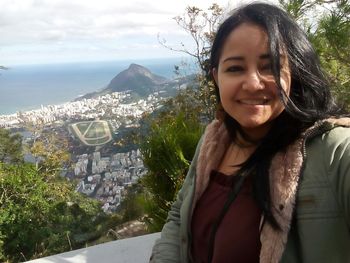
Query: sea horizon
[[28, 87]]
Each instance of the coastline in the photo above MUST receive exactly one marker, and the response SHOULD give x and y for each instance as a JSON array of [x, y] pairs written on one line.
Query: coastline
[[101, 107], [26, 88]]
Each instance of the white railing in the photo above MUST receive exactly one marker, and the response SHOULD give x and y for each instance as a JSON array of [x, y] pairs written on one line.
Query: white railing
[[130, 250]]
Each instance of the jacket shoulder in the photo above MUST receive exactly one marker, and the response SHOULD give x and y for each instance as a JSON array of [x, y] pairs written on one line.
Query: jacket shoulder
[[338, 138], [331, 147], [327, 168]]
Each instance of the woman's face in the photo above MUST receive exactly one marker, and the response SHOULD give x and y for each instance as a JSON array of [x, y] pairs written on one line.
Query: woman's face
[[248, 90]]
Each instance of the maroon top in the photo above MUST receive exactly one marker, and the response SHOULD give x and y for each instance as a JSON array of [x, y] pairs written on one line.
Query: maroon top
[[237, 238]]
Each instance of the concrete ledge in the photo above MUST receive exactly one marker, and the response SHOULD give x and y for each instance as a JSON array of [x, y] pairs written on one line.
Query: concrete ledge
[[130, 250]]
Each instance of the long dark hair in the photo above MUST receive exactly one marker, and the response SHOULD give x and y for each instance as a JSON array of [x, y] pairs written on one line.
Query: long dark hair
[[309, 100]]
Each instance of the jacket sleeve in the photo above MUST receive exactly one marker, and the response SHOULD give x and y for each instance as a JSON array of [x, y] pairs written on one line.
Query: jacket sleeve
[[337, 154], [342, 170], [167, 247]]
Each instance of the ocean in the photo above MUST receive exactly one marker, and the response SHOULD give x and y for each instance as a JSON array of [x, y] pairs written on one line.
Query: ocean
[[27, 87]]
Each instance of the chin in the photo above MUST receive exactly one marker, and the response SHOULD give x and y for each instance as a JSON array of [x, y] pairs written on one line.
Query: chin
[[256, 130], [252, 124]]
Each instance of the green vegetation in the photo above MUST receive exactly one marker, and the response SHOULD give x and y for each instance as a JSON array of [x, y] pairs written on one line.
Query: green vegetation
[[51, 155], [132, 206], [167, 150], [40, 212], [96, 130], [39, 218], [327, 23], [10, 147], [82, 126]]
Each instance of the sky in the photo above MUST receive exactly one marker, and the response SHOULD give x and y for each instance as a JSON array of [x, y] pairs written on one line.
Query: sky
[[56, 31]]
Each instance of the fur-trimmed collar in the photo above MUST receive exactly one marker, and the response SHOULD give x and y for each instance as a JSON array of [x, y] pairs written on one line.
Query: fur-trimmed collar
[[284, 176]]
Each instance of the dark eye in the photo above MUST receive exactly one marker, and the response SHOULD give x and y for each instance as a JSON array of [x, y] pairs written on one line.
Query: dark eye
[[234, 68], [266, 67]]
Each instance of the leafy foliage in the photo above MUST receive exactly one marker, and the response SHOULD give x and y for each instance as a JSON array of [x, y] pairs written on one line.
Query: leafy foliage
[[131, 206], [167, 153], [327, 23], [51, 155], [10, 147], [38, 218], [40, 212]]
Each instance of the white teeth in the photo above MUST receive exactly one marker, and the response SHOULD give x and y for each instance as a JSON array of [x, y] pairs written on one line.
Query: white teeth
[[254, 101]]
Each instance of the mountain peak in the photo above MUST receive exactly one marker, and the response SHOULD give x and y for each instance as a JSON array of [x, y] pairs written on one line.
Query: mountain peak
[[136, 66], [139, 70], [136, 78]]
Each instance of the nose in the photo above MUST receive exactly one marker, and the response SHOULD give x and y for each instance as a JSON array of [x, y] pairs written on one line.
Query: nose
[[253, 81]]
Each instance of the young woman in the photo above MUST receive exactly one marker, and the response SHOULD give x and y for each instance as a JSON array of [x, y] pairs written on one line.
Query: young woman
[[270, 180]]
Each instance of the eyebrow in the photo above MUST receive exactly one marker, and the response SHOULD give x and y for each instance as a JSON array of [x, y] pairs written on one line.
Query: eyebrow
[[240, 58]]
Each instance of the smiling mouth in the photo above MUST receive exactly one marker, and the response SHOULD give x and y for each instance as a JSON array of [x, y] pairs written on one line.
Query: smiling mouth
[[254, 101]]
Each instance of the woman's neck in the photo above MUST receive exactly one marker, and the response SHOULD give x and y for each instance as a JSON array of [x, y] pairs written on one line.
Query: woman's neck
[[236, 154]]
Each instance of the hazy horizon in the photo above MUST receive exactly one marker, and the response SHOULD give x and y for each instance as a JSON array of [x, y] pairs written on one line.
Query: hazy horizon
[[27, 87]]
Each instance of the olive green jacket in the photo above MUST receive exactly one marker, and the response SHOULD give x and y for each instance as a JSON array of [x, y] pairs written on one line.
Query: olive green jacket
[[310, 196]]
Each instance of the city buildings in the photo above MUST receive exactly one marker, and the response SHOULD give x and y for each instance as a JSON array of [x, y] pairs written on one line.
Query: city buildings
[[105, 178]]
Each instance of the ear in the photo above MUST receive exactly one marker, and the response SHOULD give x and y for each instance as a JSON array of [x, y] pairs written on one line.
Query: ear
[[214, 73]]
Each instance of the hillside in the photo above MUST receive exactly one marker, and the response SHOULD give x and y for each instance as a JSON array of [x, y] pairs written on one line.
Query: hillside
[[136, 78]]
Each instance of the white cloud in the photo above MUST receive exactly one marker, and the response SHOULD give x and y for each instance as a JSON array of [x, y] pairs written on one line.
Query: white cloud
[[34, 19], [54, 28]]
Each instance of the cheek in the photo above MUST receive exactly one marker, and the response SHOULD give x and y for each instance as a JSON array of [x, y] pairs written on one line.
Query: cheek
[[227, 88], [226, 96]]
